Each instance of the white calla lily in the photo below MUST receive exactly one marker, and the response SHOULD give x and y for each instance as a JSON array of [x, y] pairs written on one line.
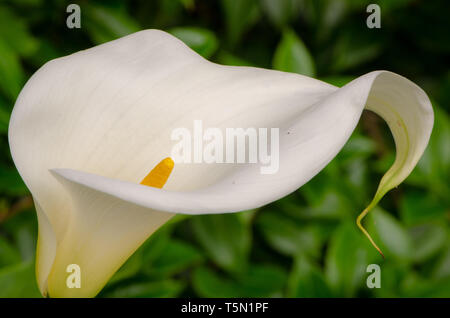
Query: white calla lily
[[88, 127]]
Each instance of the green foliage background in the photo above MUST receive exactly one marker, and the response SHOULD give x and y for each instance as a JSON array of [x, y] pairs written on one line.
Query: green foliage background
[[307, 244]]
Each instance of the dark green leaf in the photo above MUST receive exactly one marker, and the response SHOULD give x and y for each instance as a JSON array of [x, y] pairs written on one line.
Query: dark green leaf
[[433, 169], [262, 281], [209, 284], [163, 289], [227, 58], [259, 281], [202, 41], [306, 280], [105, 24], [416, 286], [418, 207], [442, 266], [350, 52], [281, 12], [176, 257], [392, 277], [292, 55], [428, 240], [346, 260], [18, 281], [11, 182], [11, 71], [14, 33], [4, 119], [338, 81], [9, 255], [156, 244], [239, 16], [391, 235], [131, 267], [287, 236], [225, 238]]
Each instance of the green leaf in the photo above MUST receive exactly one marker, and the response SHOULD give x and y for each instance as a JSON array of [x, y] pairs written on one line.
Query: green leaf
[[281, 12], [202, 41], [18, 281], [227, 58], [29, 3], [350, 52], [23, 230], [176, 257], [8, 253], [288, 237], [392, 237], [4, 119], [326, 195], [392, 277], [156, 244], [358, 146], [442, 265], [225, 238], [327, 16], [131, 267], [416, 286], [259, 281], [390, 5], [45, 52], [428, 240], [11, 71], [11, 182], [433, 169], [163, 289], [358, 179], [346, 260], [104, 24], [26, 241], [239, 16], [338, 81], [262, 281], [291, 55], [306, 280], [207, 283], [14, 32], [188, 4], [417, 207]]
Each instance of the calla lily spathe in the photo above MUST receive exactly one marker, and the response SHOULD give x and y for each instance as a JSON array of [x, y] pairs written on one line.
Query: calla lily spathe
[[88, 127]]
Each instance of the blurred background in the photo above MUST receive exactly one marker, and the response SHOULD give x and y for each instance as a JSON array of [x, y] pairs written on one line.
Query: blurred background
[[307, 244]]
